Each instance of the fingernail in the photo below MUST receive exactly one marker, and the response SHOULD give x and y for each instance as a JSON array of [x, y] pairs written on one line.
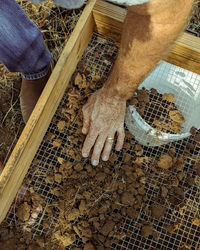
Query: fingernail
[[84, 155], [95, 163], [84, 130], [105, 158]]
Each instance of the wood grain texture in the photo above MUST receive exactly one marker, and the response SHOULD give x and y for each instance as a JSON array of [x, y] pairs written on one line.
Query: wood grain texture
[[186, 53], [109, 20], [34, 131], [109, 23]]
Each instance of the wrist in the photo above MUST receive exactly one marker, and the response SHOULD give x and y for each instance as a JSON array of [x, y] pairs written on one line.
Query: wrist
[[114, 91], [120, 85]]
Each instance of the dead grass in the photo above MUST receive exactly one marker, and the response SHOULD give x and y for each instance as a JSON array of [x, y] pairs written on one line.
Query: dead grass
[[194, 20], [55, 23]]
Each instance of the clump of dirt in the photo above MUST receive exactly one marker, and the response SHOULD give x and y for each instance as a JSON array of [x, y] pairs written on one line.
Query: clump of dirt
[[165, 161], [176, 195], [168, 97], [157, 211], [176, 116], [23, 212], [158, 110], [146, 231]]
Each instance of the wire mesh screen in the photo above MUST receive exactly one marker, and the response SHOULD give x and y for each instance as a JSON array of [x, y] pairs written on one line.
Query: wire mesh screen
[[177, 229]]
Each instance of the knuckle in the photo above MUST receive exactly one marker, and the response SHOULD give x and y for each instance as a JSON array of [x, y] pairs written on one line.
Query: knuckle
[[85, 122], [95, 127]]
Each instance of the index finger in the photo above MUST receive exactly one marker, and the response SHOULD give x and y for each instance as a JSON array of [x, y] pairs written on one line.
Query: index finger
[[89, 142]]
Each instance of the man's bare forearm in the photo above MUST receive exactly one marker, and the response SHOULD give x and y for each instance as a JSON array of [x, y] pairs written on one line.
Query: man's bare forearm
[[149, 31]]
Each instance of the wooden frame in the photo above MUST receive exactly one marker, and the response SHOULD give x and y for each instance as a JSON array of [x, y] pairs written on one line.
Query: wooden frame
[[99, 16]]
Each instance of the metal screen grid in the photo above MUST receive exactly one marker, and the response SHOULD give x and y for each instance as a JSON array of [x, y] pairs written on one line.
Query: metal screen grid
[[46, 159]]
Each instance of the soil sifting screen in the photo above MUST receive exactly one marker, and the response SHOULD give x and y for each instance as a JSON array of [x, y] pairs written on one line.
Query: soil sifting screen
[[155, 195]]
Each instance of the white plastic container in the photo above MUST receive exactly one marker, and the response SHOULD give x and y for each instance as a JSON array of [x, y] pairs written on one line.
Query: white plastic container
[[185, 85]]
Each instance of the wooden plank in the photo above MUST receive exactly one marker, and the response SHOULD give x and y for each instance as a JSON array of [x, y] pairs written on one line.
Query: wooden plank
[[109, 20], [186, 53], [109, 23], [32, 135]]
